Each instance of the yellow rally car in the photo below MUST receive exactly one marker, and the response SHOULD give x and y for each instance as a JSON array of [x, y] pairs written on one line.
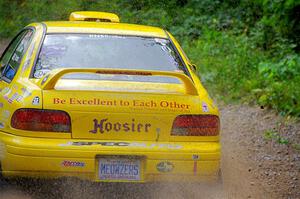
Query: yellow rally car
[[105, 101]]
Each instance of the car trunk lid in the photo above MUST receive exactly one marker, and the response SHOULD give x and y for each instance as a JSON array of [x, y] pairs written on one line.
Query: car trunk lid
[[110, 110]]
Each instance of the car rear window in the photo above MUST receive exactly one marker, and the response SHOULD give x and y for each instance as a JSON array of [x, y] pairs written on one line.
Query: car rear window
[[106, 51]]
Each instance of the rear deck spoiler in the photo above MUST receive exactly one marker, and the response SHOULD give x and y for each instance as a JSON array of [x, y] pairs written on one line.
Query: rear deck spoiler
[[49, 81]]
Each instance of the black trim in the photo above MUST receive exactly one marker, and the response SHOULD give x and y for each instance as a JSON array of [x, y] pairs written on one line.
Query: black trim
[[7, 47], [39, 49], [187, 72], [99, 33]]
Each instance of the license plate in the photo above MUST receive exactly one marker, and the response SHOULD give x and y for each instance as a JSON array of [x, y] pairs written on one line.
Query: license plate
[[119, 169]]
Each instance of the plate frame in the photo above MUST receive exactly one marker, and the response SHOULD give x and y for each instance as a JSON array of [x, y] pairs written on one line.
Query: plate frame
[[142, 167]]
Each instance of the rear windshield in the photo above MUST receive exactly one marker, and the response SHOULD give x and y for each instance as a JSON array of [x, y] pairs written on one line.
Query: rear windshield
[[106, 51]]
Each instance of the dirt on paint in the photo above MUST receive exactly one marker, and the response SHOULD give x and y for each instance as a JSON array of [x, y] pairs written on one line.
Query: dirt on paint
[[260, 159]]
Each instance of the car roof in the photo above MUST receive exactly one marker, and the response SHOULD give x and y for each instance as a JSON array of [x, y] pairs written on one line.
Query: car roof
[[104, 28]]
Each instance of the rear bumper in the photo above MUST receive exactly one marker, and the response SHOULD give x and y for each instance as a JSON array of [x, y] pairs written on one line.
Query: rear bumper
[[52, 158]]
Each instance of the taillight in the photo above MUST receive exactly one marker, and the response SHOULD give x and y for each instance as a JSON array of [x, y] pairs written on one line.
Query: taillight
[[41, 120], [196, 125]]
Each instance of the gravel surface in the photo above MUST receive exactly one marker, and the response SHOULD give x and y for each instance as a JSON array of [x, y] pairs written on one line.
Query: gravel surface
[[273, 168]]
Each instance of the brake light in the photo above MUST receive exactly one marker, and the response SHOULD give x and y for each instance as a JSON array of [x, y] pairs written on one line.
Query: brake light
[[196, 125], [41, 120]]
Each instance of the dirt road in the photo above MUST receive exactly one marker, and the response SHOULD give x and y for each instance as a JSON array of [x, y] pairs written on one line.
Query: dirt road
[[252, 166]]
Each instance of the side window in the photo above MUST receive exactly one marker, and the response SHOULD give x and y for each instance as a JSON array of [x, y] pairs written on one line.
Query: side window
[[15, 53], [9, 50]]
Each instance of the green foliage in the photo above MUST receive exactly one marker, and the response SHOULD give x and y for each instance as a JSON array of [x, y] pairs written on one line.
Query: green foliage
[[272, 135], [245, 50], [17, 14], [234, 68], [226, 62], [280, 83], [296, 147], [279, 135], [280, 20]]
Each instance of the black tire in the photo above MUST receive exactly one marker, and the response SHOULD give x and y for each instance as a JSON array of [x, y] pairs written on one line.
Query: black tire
[[3, 180]]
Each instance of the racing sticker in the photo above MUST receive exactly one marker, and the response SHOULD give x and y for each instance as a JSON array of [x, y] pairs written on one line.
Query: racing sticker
[[195, 157], [5, 114], [126, 144], [40, 73], [205, 107], [16, 58], [28, 56], [165, 167], [19, 98], [1, 125], [12, 98], [105, 126], [67, 163], [36, 101], [5, 91], [25, 92], [135, 103], [45, 79], [96, 143]]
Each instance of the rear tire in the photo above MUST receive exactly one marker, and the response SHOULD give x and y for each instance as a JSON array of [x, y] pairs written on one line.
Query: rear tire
[[3, 180]]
